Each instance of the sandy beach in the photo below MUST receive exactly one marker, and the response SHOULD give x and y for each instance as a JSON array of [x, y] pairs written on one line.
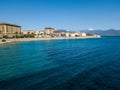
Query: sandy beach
[[38, 39]]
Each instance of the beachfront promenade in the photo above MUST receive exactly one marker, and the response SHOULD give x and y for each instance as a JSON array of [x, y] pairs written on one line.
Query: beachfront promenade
[[38, 39]]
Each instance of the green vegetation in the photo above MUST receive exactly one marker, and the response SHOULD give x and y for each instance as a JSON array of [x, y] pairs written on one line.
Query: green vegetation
[[3, 40], [28, 35], [0, 32], [5, 36]]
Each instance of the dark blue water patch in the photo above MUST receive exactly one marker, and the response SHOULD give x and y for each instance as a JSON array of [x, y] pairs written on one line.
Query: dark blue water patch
[[98, 78], [77, 64]]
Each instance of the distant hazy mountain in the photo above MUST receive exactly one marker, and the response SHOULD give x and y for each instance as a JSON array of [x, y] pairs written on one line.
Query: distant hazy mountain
[[110, 32], [61, 30]]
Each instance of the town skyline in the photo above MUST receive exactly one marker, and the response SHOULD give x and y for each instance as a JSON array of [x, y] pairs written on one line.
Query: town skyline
[[8, 30]]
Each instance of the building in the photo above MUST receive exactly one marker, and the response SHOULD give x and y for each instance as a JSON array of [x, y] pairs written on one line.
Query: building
[[39, 33], [9, 29], [28, 32], [96, 35], [57, 33], [49, 31], [75, 34], [83, 34], [67, 34]]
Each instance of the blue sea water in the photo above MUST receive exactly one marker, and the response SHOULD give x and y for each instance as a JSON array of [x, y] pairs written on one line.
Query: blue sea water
[[73, 64]]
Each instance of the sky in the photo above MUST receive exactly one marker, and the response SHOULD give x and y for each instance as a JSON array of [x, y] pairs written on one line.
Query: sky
[[71, 15]]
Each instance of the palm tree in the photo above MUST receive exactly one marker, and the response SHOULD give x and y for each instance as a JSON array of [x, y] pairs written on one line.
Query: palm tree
[[0, 33], [16, 34], [28, 34], [21, 34], [32, 35]]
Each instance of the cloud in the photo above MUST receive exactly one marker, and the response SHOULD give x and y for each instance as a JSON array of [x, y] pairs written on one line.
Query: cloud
[[91, 29]]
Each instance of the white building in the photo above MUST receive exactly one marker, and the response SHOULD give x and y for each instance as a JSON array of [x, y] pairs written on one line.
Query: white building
[[67, 34], [28, 32], [83, 34], [96, 35], [39, 33], [72, 34], [49, 30], [75, 34]]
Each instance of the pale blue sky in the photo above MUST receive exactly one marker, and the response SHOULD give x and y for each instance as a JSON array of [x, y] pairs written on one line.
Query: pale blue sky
[[61, 14]]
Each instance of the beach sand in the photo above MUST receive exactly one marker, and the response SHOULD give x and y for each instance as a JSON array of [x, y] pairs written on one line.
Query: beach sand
[[38, 39]]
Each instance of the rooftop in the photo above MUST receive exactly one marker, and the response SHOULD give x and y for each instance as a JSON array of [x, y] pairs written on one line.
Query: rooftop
[[28, 30], [49, 28], [4, 23]]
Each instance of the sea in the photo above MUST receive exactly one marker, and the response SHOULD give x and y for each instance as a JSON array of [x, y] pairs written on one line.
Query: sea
[[70, 64]]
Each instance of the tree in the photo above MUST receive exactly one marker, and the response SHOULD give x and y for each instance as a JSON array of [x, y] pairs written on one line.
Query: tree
[[1, 34], [16, 34], [5, 36], [32, 35], [28, 34]]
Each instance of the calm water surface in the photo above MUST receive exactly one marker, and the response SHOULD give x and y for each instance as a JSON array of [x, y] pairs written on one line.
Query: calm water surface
[[77, 64]]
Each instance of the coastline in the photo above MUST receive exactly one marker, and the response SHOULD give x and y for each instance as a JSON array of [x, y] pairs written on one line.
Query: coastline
[[39, 39]]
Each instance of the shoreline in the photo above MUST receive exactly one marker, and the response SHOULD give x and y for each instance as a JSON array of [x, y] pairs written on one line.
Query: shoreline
[[40, 39]]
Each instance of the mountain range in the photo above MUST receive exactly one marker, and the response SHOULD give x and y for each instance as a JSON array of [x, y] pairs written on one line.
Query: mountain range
[[110, 32]]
